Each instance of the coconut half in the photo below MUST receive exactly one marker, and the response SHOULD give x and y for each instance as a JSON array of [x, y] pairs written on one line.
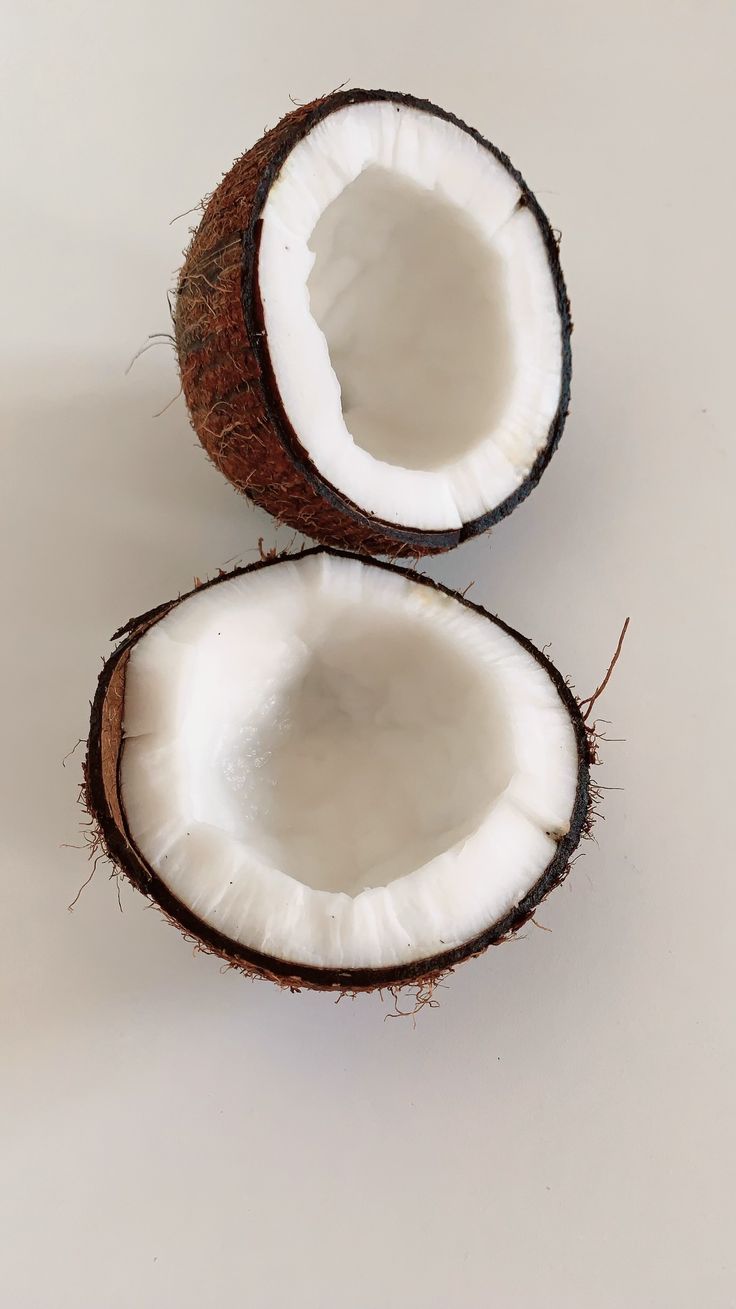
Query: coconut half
[[335, 773], [372, 326]]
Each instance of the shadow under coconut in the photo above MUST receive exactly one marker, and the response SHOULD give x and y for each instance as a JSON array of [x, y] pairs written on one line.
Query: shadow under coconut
[[136, 512]]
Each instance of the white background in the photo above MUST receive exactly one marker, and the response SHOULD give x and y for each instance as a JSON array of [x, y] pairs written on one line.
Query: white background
[[560, 1132]]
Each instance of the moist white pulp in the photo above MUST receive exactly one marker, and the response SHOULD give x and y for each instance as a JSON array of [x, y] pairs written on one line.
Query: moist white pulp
[[411, 315], [335, 765], [379, 751], [411, 302]]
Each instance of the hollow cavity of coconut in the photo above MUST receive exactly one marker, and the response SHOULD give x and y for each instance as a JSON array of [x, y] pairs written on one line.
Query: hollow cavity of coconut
[[372, 327], [336, 774]]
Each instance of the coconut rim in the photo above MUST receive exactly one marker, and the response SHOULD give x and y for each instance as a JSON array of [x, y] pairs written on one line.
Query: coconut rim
[[104, 805], [433, 539]]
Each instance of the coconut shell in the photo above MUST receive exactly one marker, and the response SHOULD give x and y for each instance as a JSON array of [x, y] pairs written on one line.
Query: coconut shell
[[104, 805], [225, 366]]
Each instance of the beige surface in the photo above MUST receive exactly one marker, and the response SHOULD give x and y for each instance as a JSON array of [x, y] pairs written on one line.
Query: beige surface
[[559, 1133]]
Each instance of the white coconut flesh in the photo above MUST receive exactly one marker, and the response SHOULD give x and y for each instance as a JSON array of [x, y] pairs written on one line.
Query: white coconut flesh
[[411, 315], [335, 765]]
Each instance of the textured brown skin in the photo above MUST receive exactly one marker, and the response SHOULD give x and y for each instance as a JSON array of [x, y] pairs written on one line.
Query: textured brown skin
[[104, 806], [225, 366]]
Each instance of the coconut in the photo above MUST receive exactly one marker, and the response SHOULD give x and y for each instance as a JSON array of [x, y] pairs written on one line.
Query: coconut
[[335, 773], [372, 326]]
